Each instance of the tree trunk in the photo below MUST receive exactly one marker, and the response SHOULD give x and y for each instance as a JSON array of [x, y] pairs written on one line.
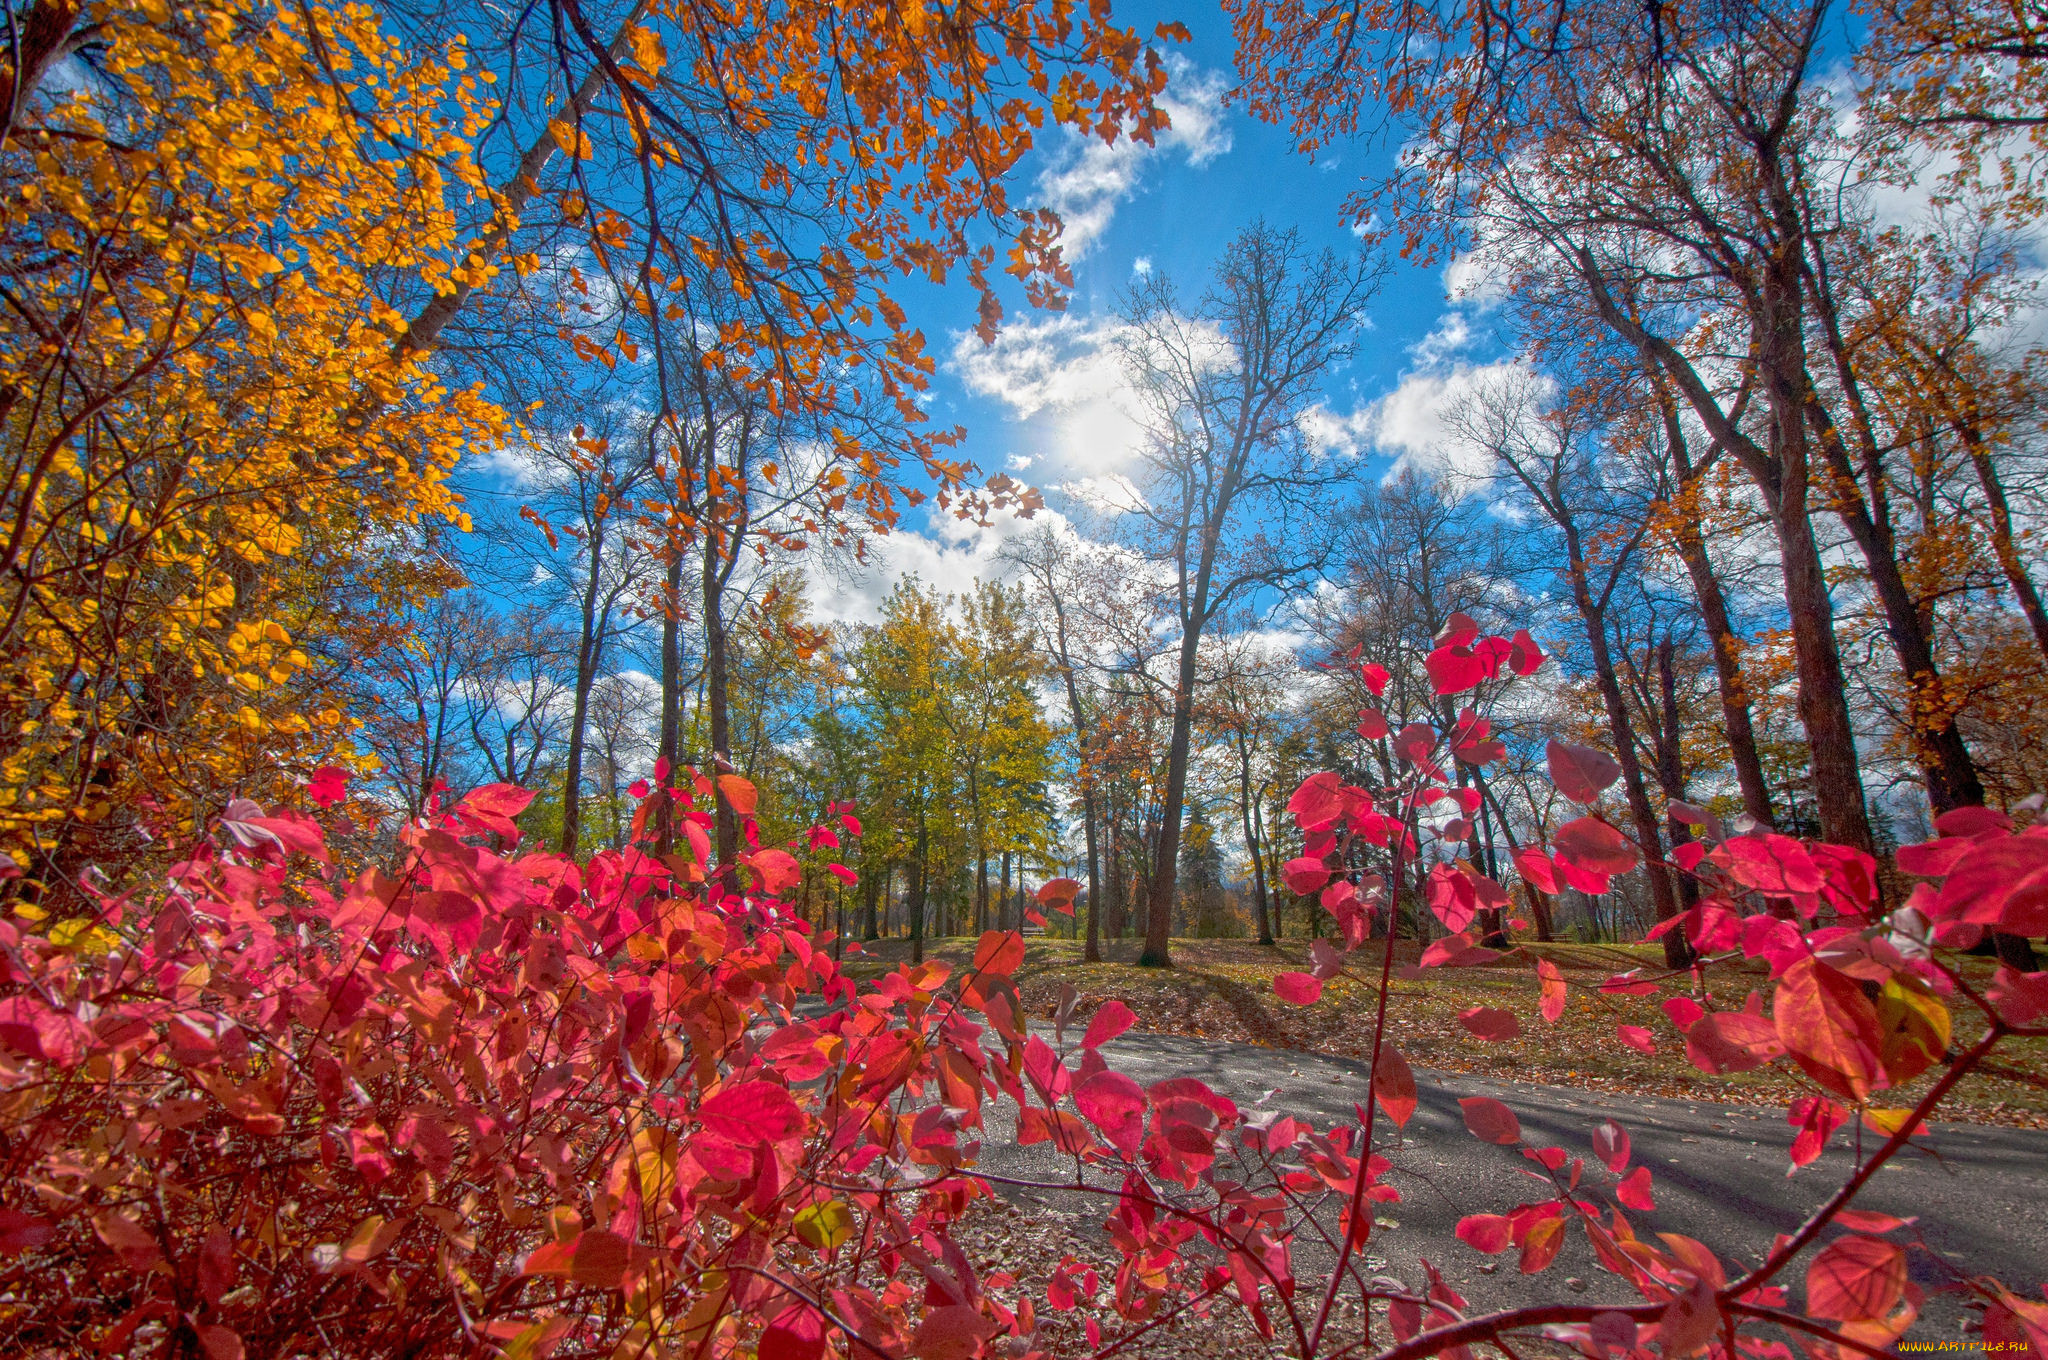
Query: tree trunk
[[1736, 720], [717, 693], [1671, 764], [871, 885], [671, 693], [1664, 901], [1251, 840], [1092, 951], [1166, 855], [589, 650], [2009, 561]]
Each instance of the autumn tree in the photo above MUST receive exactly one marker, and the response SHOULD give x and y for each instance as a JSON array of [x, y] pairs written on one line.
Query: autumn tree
[[207, 436]]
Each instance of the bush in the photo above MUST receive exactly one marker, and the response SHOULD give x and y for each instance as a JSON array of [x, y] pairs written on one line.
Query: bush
[[488, 1103]]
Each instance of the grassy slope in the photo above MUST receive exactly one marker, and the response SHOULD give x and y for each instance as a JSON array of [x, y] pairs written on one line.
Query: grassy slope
[[1222, 989]]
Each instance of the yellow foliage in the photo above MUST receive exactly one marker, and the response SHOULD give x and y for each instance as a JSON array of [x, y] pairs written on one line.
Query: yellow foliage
[[205, 424]]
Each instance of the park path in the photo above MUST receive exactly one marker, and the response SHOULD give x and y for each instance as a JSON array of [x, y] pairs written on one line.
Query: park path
[[1980, 1194]]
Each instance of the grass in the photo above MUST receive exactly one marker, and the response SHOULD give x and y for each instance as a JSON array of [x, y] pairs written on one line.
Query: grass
[[1223, 989]]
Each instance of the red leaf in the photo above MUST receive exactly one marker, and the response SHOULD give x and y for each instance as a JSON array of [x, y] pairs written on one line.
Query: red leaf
[[1375, 677], [495, 802], [599, 1259], [1553, 991], [1683, 1011], [1540, 1246], [1055, 891], [999, 952], [1580, 772], [220, 1343], [452, 920], [1415, 743], [798, 1334], [1318, 802], [1634, 1190], [1610, 1145], [1115, 1104], [842, 873], [778, 869], [1830, 1028], [1111, 1019], [1536, 869], [2002, 882], [1816, 1118], [1731, 1041], [1305, 875], [753, 1112], [328, 786], [1484, 1232], [1393, 1085], [1592, 845], [1458, 630], [1454, 669], [1769, 863], [1452, 897], [1637, 1038], [1297, 989], [1372, 724], [1490, 1023], [2020, 998], [1526, 658], [19, 1232], [1490, 1121], [1856, 1279]]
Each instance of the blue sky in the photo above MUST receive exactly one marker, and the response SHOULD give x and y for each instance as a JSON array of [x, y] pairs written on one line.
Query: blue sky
[[1042, 402]]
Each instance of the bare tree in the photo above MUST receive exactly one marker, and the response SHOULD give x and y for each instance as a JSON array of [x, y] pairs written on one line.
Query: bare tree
[[1230, 485]]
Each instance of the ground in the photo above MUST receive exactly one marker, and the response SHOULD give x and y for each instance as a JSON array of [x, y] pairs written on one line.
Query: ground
[[1223, 990]]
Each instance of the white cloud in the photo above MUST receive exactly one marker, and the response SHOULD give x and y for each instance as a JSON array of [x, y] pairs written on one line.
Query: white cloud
[[1141, 266], [953, 556], [1040, 362], [1450, 336], [1065, 368], [1112, 495], [1089, 178], [1411, 422], [1330, 432]]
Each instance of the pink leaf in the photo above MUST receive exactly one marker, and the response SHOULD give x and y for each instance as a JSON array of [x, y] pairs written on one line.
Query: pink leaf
[[1637, 1038], [1115, 1104], [328, 786], [1593, 845], [1454, 669], [1318, 802], [753, 1112], [1580, 772], [1452, 897], [1536, 870], [1634, 1190], [1415, 743], [1304, 876], [1297, 989], [1111, 1019], [1610, 1145]]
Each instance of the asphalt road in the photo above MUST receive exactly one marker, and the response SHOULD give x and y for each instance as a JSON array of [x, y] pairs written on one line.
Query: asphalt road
[[1980, 1194]]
